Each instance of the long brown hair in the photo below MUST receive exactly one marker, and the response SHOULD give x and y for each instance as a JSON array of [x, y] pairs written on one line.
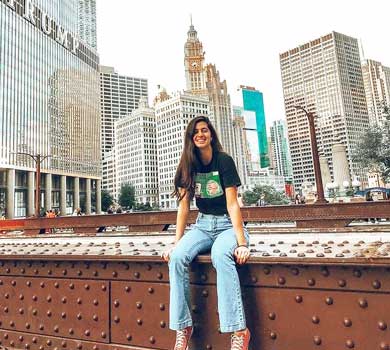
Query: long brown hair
[[189, 161]]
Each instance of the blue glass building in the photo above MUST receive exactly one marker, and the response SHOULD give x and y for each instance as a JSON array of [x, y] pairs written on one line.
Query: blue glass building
[[253, 102]]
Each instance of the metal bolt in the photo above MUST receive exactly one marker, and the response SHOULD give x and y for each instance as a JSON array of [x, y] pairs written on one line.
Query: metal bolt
[[311, 281], [71, 331], [281, 280], [382, 325], [350, 344], [272, 315], [376, 284], [95, 317], [103, 335], [48, 313], [317, 340], [162, 307], [315, 319], [347, 322], [63, 315], [162, 324], [273, 335], [129, 337], [116, 319], [127, 289], [152, 340], [63, 344], [150, 290], [384, 346], [79, 301], [363, 303], [139, 305], [87, 332], [79, 316], [329, 300], [139, 321], [298, 299], [95, 302], [116, 302]]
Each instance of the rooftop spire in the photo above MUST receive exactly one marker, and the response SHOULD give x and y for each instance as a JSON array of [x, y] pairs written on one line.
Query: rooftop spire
[[192, 34]]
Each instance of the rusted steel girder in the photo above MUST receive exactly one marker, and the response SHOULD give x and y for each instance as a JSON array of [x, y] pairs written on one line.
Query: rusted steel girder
[[300, 293], [305, 216]]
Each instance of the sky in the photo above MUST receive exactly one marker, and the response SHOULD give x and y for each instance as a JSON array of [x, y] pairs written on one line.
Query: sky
[[242, 38]]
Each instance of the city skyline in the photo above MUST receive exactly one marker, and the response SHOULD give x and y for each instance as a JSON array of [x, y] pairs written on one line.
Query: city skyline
[[244, 43]]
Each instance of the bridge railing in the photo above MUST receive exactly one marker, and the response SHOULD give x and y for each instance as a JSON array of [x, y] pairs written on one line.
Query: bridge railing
[[304, 216]]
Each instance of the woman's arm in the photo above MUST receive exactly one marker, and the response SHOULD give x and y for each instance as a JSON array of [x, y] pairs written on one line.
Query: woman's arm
[[182, 215], [241, 253]]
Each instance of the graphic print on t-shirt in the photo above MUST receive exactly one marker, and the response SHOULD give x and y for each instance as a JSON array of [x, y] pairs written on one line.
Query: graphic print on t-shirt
[[208, 185]]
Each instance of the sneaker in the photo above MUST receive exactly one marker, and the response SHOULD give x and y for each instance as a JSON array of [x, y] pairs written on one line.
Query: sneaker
[[240, 340], [182, 338]]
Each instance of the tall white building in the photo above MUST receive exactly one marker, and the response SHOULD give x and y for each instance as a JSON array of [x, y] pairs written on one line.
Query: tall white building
[[87, 21], [136, 155], [376, 79], [240, 144], [119, 96], [281, 150], [325, 77], [172, 116]]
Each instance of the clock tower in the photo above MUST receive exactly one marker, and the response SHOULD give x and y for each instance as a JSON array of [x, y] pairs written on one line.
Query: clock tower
[[194, 63]]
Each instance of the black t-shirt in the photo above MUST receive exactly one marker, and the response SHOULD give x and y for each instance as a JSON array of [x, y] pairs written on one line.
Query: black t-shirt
[[211, 181]]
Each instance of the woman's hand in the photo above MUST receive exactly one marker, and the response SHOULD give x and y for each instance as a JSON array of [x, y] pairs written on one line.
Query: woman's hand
[[167, 253], [242, 254]]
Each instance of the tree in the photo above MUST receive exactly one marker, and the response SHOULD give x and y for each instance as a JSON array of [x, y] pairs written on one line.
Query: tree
[[268, 193], [373, 149], [107, 200], [127, 196]]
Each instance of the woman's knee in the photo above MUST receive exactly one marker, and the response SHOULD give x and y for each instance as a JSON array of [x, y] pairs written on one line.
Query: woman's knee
[[219, 255], [178, 257]]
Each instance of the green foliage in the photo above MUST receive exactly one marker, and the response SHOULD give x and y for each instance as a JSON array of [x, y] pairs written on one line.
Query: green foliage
[[127, 196], [107, 200], [269, 194], [373, 150]]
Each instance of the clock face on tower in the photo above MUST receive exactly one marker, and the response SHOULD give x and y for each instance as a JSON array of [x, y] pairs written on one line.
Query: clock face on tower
[[194, 65]]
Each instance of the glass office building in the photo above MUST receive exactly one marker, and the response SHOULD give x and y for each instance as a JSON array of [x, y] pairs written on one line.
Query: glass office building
[[255, 121], [49, 105]]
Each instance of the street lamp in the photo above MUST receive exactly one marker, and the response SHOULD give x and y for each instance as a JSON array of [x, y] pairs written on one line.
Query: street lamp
[[38, 159], [316, 159]]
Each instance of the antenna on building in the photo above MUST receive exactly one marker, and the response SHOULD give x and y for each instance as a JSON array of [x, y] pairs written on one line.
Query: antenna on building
[[191, 19], [361, 49]]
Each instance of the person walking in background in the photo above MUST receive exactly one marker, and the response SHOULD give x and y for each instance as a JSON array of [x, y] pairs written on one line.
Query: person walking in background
[[210, 175]]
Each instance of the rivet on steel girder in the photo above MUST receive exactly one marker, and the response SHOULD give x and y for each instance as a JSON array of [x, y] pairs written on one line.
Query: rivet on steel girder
[[376, 284], [64, 300], [315, 319], [281, 280], [103, 335], [63, 315], [79, 316], [342, 283], [49, 313], [150, 290], [104, 287], [205, 293], [95, 347], [95, 317], [129, 337], [21, 296], [384, 346], [139, 305], [311, 281], [209, 347], [116, 303], [71, 286], [139, 321], [272, 315], [325, 271], [63, 344], [48, 342], [27, 325], [95, 273], [34, 340], [95, 302], [162, 324], [266, 270], [114, 274], [79, 346], [5, 336], [295, 271], [298, 299], [127, 289], [48, 298], [159, 275], [363, 303], [21, 338], [71, 331], [347, 322], [5, 309], [162, 307], [79, 301], [152, 340], [34, 298], [6, 295], [350, 344], [382, 325], [87, 332], [116, 319], [35, 312], [56, 285], [41, 327], [317, 340], [329, 300], [273, 335], [13, 283], [21, 311], [254, 279]]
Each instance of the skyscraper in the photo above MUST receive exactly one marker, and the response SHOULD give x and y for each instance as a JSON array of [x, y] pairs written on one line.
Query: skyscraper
[[220, 108], [194, 63], [255, 121], [281, 149], [49, 105], [119, 96], [376, 78], [325, 77], [136, 153], [172, 117], [205, 80], [87, 22]]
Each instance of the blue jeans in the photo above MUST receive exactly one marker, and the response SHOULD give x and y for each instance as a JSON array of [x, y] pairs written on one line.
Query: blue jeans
[[215, 233]]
